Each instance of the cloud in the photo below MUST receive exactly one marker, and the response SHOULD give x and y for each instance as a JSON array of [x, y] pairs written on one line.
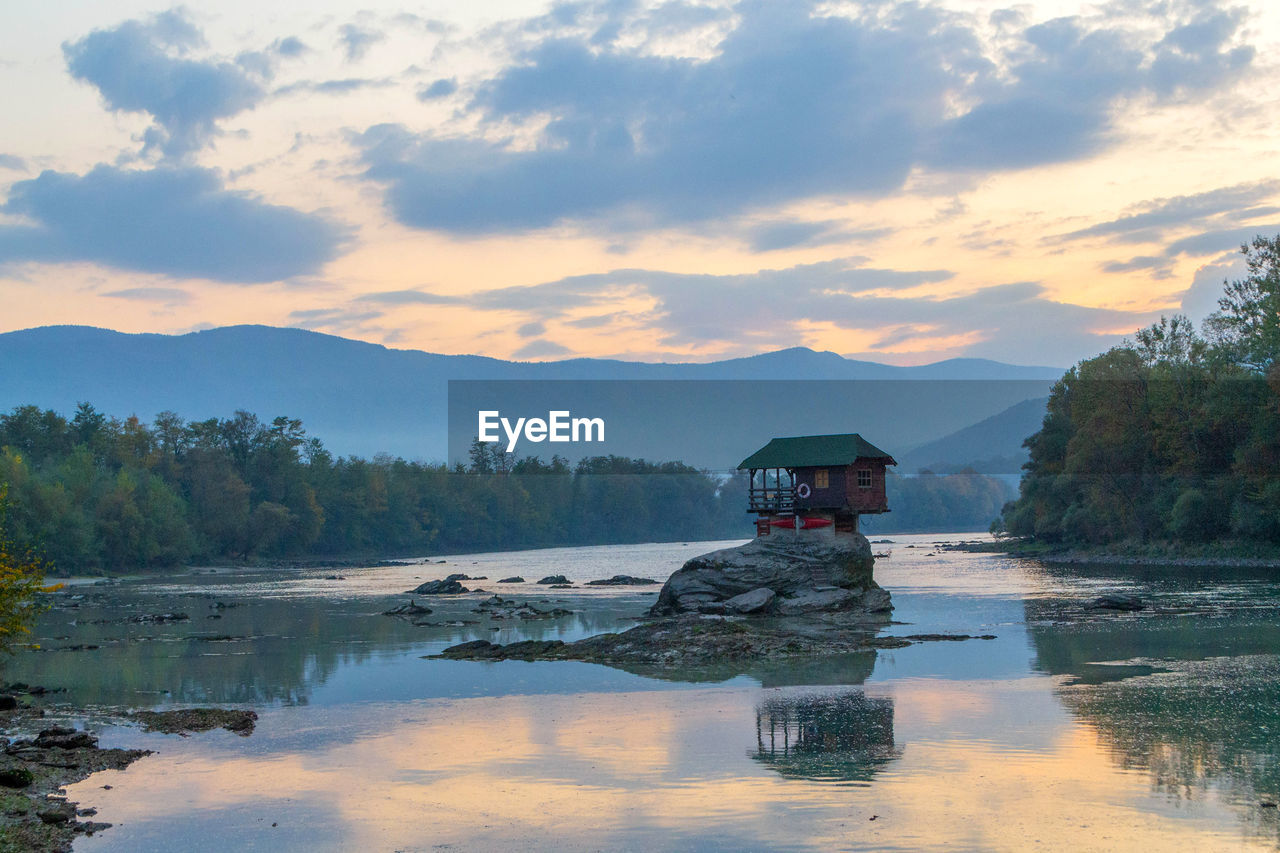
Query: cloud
[[780, 307], [791, 103], [794, 234], [1201, 298], [439, 89], [356, 40], [1218, 241], [594, 321], [167, 295], [336, 320], [1159, 266], [145, 66], [13, 162], [290, 46], [541, 349], [408, 297], [180, 222], [683, 294], [1152, 218], [341, 86], [532, 330]]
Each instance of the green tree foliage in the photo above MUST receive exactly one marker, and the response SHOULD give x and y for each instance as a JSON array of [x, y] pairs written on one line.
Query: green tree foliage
[[98, 493], [21, 577], [1172, 436], [1246, 328], [927, 502]]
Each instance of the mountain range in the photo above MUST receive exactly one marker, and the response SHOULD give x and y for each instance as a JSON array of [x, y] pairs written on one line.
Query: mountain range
[[364, 398]]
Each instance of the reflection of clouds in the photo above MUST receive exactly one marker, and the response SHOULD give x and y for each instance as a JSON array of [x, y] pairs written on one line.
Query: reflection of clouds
[[640, 771], [587, 771], [985, 756]]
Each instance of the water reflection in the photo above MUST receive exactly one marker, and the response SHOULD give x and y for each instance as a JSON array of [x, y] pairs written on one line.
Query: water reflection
[[843, 737], [1185, 691], [1075, 729], [242, 648], [847, 668]]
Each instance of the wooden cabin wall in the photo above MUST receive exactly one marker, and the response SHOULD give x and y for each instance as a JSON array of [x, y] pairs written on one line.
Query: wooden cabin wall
[[867, 500], [835, 495]]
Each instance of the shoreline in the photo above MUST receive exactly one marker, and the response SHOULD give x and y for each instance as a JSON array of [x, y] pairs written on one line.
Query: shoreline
[[45, 757], [391, 560], [1118, 556]]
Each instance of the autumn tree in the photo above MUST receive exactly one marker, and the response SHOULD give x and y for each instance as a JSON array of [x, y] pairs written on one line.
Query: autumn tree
[[21, 577]]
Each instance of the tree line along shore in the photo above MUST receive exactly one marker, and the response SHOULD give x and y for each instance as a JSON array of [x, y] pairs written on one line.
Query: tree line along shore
[[1168, 446], [93, 493], [1167, 443]]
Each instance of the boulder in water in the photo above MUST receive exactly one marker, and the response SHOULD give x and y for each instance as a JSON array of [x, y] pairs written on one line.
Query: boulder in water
[[1117, 601], [806, 575], [440, 587], [406, 610], [622, 580], [757, 601]]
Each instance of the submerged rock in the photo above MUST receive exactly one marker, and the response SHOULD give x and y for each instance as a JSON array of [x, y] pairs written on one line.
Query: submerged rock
[[485, 650], [60, 737], [806, 575], [184, 721], [497, 607], [700, 640], [16, 777], [440, 587], [159, 618], [37, 815], [1127, 603], [622, 580], [775, 598], [410, 609]]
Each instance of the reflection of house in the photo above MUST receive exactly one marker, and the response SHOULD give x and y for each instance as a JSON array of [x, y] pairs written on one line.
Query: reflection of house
[[845, 737], [815, 482]]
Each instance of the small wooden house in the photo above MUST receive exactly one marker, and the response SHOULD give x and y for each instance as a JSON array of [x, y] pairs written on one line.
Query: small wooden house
[[816, 481]]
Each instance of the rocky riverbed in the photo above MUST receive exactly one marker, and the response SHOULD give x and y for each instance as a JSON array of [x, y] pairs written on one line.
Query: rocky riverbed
[[36, 767], [775, 597], [700, 639]]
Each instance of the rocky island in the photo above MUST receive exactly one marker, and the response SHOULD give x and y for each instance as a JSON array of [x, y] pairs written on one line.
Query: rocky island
[[774, 597], [787, 574]]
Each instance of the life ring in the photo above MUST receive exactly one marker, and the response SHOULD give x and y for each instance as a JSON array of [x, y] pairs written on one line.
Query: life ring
[[803, 491]]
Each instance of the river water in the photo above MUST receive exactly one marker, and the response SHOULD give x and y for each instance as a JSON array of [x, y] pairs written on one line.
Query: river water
[[1074, 729]]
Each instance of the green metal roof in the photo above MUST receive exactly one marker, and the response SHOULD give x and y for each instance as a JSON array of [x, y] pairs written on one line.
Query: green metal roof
[[806, 451]]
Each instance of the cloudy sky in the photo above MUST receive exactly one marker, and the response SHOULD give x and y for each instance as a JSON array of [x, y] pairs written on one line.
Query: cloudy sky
[[903, 182]]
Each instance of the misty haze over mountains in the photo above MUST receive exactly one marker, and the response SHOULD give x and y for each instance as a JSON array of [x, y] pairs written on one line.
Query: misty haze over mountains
[[364, 399]]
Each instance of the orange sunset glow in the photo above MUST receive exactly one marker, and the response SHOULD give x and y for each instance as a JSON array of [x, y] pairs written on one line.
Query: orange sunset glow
[[957, 179]]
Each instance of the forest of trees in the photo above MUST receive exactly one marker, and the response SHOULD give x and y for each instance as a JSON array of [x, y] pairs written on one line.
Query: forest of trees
[[95, 493], [1171, 437], [929, 503]]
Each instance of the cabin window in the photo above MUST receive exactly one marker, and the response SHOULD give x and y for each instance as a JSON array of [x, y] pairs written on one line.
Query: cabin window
[[864, 478], [822, 479]]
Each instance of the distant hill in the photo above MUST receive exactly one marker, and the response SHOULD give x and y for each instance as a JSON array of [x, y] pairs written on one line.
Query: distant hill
[[362, 398], [991, 446]]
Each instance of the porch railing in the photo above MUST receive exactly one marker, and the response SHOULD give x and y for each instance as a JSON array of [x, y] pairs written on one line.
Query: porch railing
[[772, 499]]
